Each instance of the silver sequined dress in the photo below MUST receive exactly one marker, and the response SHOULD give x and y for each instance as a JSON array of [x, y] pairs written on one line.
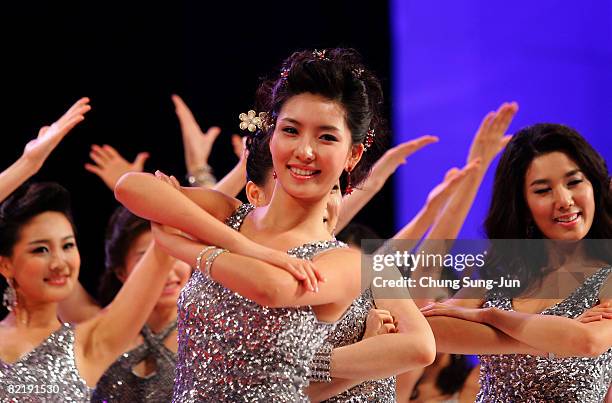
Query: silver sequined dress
[[350, 330], [46, 374], [525, 378], [234, 350], [120, 384]]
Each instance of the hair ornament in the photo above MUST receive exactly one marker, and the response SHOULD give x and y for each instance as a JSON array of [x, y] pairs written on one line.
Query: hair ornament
[[369, 139], [252, 121]]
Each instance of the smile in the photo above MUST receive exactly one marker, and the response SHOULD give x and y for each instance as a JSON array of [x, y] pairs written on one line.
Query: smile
[[56, 281], [568, 218], [302, 173]]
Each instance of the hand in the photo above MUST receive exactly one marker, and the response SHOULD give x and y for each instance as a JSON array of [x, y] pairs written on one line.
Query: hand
[[453, 311], [596, 313], [170, 180], [490, 139], [303, 270], [49, 137], [396, 156], [379, 321], [239, 146], [197, 144], [110, 165], [438, 196], [332, 209]]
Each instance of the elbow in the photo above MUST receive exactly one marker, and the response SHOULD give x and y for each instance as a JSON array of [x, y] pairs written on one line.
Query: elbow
[[427, 352], [419, 350], [591, 345], [124, 186]]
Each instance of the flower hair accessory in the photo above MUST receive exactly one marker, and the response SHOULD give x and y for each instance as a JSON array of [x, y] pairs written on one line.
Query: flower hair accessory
[[251, 121], [369, 139]]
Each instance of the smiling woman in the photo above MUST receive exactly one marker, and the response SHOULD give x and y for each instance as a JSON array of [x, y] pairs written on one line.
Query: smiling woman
[[40, 260]]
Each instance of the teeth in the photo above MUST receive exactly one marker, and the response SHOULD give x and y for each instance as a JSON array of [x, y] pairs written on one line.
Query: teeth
[[567, 219], [302, 172]]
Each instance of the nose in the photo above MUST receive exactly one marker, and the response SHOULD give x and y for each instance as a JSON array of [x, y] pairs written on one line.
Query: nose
[[57, 263], [305, 151], [563, 199]]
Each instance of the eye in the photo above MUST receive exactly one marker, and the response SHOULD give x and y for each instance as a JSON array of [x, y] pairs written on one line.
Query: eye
[[40, 250], [575, 182], [290, 130], [541, 191], [69, 245], [328, 137]]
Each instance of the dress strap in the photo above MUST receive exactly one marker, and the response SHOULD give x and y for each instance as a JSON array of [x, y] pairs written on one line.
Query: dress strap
[[237, 218]]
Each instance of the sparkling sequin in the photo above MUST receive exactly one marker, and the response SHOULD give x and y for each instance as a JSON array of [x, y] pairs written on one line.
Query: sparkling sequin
[[50, 366], [527, 378], [120, 384], [234, 350], [350, 330]]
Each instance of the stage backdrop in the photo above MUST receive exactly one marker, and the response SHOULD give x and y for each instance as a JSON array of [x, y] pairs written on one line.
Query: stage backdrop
[[455, 61]]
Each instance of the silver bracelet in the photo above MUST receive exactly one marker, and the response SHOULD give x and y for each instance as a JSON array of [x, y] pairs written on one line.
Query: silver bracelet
[[202, 177], [321, 364], [210, 260], [201, 255]]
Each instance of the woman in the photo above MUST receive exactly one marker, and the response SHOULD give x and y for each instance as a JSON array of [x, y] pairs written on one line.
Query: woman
[[556, 187], [252, 340], [145, 370], [42, 358]]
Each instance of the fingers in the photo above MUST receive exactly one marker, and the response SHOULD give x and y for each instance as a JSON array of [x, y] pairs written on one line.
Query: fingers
[[98, 155], [410, 147], [181, 108], [42, 131], [140, 160], [451, 173], [94, 169], [212, 133], [237, 145]]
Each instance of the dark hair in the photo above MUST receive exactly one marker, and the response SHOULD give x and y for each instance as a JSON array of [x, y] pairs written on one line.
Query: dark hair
[[509, 216], [123, 228], [28, 201], [339, 75], [355, 232], [451, 378], [259, 159]]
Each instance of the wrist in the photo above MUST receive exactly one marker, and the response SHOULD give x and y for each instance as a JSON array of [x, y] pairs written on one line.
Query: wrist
[[28, 165], [201, 176], [487, 315]]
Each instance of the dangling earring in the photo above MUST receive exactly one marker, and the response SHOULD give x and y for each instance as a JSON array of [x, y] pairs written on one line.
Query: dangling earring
[[349, 188], [9, 298], [274, 174]]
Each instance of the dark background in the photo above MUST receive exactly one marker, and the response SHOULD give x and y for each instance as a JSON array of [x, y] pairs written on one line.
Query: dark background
[[129, 57]]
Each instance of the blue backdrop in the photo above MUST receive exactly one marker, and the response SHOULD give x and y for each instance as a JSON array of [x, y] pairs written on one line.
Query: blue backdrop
[[455, 61]]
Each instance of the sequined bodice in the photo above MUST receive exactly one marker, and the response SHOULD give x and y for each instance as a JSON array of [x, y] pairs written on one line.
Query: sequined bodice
[[234, 350], [350, 330], [46, 374], [120, 384], [526, 378]]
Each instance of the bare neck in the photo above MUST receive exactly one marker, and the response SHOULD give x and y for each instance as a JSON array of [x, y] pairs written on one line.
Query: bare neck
[[33, 316], [161, 317]]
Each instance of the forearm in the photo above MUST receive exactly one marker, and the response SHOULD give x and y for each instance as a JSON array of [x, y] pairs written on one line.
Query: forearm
[[362, 361], [262, 282], [556, 334], [458, 336], [233, 183], [150, 198], [450, 221], [319, 391], [15, 175], [417, 227]]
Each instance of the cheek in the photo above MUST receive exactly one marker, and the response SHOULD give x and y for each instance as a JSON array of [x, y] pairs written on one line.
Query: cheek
[[539, 207], [183, 271]]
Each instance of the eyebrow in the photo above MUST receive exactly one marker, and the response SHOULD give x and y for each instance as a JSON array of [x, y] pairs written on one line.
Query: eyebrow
[[48, 241], [322, 127], [543, 181]]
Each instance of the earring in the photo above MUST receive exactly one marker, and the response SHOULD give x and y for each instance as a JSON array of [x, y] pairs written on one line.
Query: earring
[[274, 174], [349, 188], [9, 298]]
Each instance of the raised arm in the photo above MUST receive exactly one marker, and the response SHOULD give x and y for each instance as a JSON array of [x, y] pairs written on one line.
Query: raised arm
[[110, 333], [37, 150], [234, 181], [382, 170]]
